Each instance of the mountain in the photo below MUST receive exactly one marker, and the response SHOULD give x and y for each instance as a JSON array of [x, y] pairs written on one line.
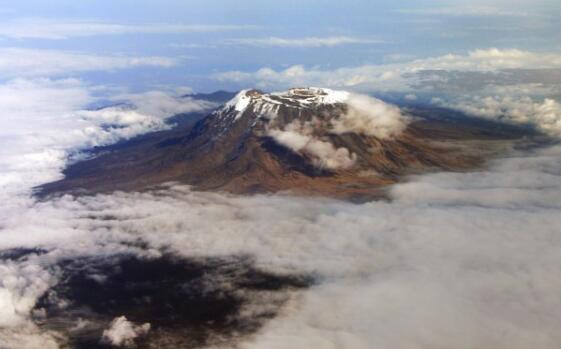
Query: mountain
[[309, 141], [217, 96]]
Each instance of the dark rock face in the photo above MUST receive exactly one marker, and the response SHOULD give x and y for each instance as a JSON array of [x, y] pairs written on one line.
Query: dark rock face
[[234, 149]]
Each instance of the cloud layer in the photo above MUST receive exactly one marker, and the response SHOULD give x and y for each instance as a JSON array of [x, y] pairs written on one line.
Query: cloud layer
[[545, 115], [43, 122], [42, 28], [456, 260], [395, 76], [330, 41], [24, 62], [370, 116]]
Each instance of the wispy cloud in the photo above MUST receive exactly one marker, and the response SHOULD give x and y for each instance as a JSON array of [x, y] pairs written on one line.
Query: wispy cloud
[[40, 28], [469, 10], [192, 45], [330, 41], [394, 76], [23, 62]]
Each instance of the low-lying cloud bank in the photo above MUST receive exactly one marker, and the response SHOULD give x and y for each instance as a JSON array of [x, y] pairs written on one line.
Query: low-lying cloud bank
[[544, 114], [43, 122], [395, 76], [455, 260]]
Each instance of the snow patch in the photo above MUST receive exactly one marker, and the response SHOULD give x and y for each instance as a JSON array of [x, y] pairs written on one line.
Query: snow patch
[[295, 97], [317, 95], [240, 102], [365, 115]]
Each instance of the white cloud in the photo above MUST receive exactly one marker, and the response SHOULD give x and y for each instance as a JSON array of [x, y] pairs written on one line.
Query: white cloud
[[42, 122], [455, 260], [303, 42], [41, 28], [123, 332], [471, 10], [370, 116], [161, 104], [395, 76], [23, 62], [544, 114], [298, 137], [364, 115], [26, 280], [360, 78]]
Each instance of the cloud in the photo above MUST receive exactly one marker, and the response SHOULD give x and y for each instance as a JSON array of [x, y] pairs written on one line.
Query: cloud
[[361, 78], [453, 260], [192, 45], [123, 332], [43, 121], [370, 116], [162, 104], [29, 288], [363, 115], [511, 82], [298, 137], [23, 62], [395, 76], [470, 11], [303, 42], [544, 114], [41, 28]]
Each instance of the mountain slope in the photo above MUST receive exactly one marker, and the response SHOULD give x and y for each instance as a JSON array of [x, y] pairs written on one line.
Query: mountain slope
[[307, 141]]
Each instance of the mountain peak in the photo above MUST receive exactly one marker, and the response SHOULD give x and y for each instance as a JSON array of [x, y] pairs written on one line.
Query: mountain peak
[[294, 97], [316, 95], [267, 105], [305, 140]]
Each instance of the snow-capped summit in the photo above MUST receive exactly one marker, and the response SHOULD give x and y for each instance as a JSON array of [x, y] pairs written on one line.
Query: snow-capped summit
[[315, 95], [268, 103], [294, 97]]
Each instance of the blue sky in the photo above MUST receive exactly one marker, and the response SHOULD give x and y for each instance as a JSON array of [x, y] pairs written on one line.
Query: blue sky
[[205, 38]]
